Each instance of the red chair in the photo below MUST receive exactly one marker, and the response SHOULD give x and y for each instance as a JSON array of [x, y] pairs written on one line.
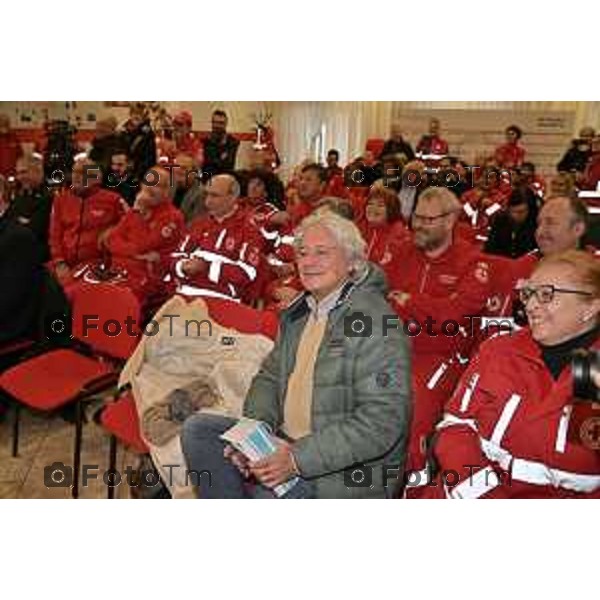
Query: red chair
[[120, 417], [69, 376]]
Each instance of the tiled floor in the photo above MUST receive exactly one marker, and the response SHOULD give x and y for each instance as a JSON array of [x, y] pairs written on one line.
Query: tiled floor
[[45, 440]]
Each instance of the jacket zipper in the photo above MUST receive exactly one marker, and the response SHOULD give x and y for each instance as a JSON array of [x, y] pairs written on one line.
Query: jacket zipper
[[424, 278]]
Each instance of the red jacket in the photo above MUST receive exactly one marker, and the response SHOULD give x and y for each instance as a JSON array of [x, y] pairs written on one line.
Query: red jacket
[[161, 232], [301, 210], [509, 156], [479, 206], [432, 145], [74, 229], [517, 428], [193, 146], [446, 288], [10, 152], [382, 241], [232, 250]]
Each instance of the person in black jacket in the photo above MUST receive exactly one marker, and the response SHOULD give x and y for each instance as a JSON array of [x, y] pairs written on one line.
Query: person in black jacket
[[21, 273], [141, 143], [106, 143], [577, 156], [220, 149], [397, 145], [512, 233], [31, 204]]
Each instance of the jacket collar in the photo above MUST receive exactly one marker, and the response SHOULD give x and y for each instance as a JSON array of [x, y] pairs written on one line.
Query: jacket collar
[[300, 306]]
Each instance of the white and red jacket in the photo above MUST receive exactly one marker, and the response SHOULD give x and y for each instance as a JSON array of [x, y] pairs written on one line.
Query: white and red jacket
[[77, 221], [160, 231], [512, 431], [231, 247], [479, 207], [446, 288]]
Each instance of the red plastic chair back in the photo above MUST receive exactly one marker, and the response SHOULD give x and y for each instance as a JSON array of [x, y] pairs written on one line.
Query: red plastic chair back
[[107, 317]]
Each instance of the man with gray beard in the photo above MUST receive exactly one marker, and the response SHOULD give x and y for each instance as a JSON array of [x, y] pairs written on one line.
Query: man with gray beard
[[436, 279]]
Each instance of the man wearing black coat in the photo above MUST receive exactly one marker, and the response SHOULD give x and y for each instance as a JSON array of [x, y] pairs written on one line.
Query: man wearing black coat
[[31, 204], [578, 155], [220, 149], [397, 145], [21, 273]]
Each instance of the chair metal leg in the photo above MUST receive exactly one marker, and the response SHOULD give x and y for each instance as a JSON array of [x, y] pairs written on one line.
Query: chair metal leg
[[112, 463], [15, 431], [77, 449]]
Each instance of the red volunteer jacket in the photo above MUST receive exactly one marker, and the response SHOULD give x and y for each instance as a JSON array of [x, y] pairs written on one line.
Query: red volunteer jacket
[[446, 288], [512, 431], [74, 229], [382, 241], [432, 145], [161, 232], [232, 250], [509, 156]]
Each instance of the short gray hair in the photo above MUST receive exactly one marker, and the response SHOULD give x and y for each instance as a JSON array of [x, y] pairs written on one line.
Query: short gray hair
[[346, 234], [450, 203], [234, 186]]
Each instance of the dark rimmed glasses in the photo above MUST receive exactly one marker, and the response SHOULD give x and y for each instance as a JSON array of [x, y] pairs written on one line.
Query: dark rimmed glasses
[[545, 293]]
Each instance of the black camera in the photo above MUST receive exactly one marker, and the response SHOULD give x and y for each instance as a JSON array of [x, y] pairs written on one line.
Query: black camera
[[584, 365]]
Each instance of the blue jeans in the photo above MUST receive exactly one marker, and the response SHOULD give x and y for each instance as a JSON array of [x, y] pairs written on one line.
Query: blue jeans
[[203, 449]]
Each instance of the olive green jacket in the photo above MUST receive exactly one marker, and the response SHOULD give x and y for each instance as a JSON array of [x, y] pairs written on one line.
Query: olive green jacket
[[361, 392]]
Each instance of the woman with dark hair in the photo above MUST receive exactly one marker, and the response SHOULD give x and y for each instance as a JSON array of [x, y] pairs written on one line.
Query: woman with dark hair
[[511, 154]]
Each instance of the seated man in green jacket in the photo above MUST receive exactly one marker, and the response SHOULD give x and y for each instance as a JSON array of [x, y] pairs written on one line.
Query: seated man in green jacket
[[335, 389]]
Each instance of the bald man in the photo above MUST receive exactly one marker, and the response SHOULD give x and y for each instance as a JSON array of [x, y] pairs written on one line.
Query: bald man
[[221, 255]]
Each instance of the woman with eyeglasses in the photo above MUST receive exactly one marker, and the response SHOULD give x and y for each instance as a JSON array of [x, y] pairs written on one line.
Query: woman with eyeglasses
[[512, 428]]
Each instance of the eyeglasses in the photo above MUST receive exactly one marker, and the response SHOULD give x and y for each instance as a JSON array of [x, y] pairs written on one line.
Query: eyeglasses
[[545, 293], [429, 220]]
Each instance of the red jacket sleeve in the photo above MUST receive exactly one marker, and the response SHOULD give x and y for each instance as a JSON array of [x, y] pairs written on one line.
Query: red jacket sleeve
[[464, 467], [469, 298], [120, 241]]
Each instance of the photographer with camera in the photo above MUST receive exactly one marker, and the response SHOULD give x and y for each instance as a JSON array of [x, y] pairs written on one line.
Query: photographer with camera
[[512, 428], [335, 389]]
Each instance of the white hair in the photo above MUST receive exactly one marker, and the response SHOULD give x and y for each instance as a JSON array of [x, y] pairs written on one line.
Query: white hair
[[345, 233]]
